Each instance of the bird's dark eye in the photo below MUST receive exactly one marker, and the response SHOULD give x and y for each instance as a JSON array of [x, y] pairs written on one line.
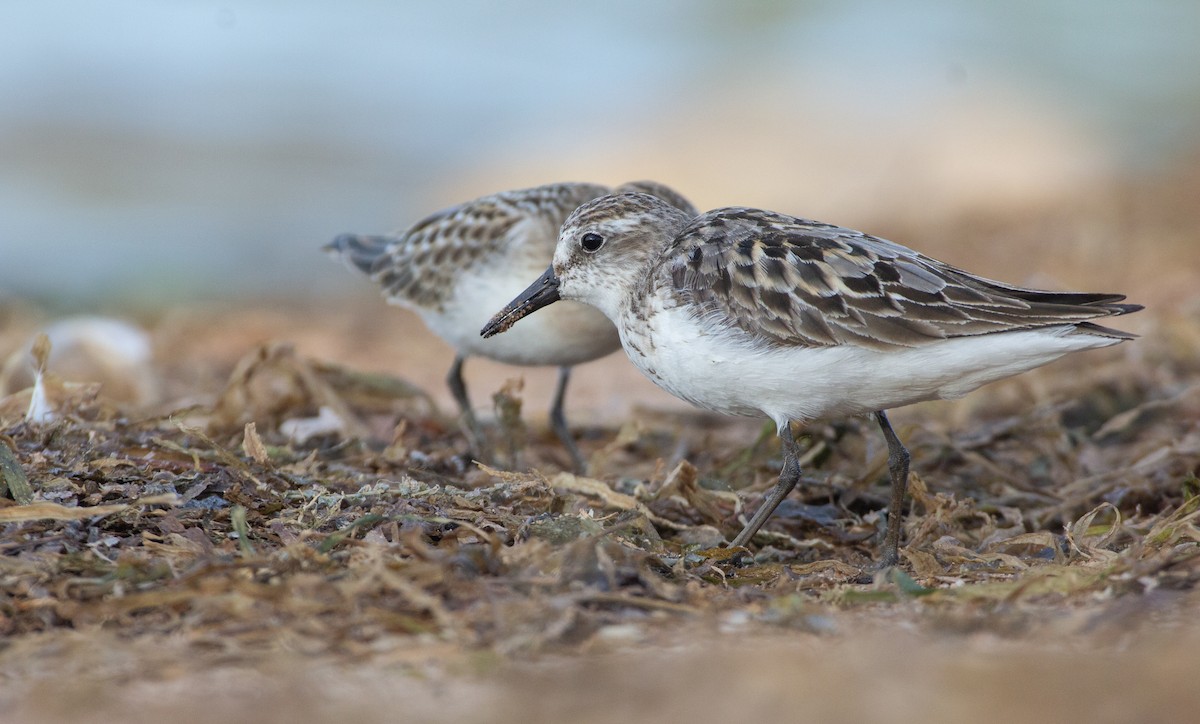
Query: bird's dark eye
[[591, 242]]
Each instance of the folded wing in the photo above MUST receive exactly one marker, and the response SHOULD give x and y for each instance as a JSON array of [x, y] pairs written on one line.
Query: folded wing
[[799, 282]]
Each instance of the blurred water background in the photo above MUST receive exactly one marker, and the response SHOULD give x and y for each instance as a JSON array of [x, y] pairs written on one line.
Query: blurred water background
[[154, 150]]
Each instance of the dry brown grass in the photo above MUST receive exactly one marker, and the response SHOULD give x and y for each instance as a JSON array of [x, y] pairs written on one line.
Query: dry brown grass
[[184, 558]]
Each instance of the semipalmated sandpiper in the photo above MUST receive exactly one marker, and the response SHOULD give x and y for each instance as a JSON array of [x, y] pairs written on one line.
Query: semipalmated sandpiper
[[752, 312], [453, 268]]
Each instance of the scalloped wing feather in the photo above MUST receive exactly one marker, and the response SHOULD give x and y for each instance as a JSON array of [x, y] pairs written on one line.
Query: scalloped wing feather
[[794, 281]]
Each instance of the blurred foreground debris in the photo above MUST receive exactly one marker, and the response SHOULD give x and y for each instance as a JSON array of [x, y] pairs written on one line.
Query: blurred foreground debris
[[113, 353]]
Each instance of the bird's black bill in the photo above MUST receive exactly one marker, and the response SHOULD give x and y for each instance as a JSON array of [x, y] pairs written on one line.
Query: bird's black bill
[[541, 293]]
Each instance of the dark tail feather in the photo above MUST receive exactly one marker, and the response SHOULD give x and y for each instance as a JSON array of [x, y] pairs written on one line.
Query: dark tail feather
[[1070, 299], [1109, 304], [358, 250], [1103, 305], [1119, 309], [1101, 331]]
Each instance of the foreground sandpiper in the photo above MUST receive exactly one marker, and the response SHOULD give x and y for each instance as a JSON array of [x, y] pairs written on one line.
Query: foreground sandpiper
[[455, 267], [752, 312]]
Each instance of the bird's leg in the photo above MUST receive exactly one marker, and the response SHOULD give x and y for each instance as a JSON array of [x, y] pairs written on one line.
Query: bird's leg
[[458, 388], [788, 477], [558, 421], [898, 459]]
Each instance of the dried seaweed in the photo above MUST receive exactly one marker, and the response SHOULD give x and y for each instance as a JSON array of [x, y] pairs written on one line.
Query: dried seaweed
[[227, 525], [305, 505]]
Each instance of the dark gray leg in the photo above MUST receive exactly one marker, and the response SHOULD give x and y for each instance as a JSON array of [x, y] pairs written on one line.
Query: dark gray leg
[[457, 388], [558, 421], [788, 477], [898, 459]]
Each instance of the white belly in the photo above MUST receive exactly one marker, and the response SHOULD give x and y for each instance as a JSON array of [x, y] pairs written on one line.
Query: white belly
[[723, 369]]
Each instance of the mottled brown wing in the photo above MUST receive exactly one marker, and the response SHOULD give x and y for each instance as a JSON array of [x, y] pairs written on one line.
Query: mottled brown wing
[[416, 265], [799, 282]]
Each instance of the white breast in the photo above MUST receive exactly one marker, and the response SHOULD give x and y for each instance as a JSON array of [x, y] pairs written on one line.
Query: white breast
[[564, 333]]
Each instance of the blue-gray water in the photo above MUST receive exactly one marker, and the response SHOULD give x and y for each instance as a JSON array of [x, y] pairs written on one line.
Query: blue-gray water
[[152, 148]]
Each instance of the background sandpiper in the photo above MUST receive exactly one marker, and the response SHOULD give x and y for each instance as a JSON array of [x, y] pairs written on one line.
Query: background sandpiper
[[456, 266]]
